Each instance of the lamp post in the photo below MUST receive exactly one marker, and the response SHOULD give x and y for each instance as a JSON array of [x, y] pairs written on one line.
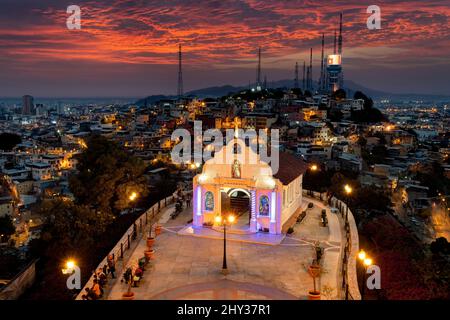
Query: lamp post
[[312, 168], [224, 222], [348, 190], [132, 197], [367, 263], [69, 266], [361, 257]]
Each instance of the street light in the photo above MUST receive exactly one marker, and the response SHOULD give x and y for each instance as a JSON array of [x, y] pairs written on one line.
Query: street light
[[133, 196], [367, 262], [69, 267], [348, 190], [314, 167], [224, 222], [362, 255]]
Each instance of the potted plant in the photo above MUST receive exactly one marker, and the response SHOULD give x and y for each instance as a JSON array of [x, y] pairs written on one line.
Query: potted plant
[[314, 271], [128, 295], [158, 229], [150, 240], [319, 252], [149, 254]]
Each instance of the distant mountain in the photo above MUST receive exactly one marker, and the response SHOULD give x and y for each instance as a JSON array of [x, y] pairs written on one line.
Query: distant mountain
[[215, 91], [153, 99], [350, 86]]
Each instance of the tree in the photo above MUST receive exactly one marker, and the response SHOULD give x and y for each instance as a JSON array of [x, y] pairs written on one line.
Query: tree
[[440, 246], [433, 177], [107, 176], [71, 227], [362, 142], [297, 91], [7, 228], [339, 94], [368, 102], [9, 140]]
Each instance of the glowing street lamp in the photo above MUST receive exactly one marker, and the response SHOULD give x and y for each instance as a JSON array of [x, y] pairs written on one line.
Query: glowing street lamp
[[362, 255], [224, 222], [367, 262], [314, 167], [69, 267], [133, 196], [348, 190]]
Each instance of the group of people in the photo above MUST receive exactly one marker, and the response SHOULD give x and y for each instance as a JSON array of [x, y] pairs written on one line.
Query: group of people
[[133, 277], [100, 280], [182, 198]]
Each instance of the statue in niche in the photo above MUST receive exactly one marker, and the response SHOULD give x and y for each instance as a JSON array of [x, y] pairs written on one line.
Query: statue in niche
[[236, 169], [209, 201]]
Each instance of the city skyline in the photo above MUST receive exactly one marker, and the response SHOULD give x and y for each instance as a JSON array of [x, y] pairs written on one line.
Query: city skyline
[[124, 49]]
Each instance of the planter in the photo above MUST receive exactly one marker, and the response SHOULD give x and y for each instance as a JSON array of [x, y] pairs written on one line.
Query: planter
[[128, 296], [150, 242], [149, 254], [313, 295], [314, 271], [158, 230]]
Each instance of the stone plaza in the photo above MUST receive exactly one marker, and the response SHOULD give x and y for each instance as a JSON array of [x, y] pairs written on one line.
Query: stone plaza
[[188, 266]]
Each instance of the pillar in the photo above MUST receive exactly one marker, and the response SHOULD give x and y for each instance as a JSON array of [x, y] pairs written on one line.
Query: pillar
[[197, 206], [218, 201], [253, 222], [273, 213]]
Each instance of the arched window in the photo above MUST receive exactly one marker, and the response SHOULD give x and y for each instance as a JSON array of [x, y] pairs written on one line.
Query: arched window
[[209, 201], [264, 206]]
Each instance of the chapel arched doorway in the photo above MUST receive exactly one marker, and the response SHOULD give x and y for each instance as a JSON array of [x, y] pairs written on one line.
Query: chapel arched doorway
[[237, 201]]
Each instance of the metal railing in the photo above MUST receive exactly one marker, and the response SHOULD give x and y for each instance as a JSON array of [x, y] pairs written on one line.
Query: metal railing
[[349, 285], [132, 235]]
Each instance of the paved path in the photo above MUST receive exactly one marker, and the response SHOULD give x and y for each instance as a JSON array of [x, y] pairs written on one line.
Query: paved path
[[188, 267]]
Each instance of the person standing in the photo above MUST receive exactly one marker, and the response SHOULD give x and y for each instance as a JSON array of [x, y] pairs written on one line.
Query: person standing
[[111, 266]]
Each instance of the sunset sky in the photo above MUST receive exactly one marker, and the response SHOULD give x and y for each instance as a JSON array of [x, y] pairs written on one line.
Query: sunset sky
[[129, 48]]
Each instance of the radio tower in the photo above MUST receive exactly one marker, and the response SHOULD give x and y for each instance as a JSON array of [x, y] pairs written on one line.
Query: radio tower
[[296, 76], [340, 35], [321, 79], [334, 50], [310, 84], [180, 74], [304, 71], [258, 72], [341, 77]]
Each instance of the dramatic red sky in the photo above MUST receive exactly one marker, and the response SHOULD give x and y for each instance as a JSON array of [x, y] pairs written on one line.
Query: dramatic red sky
[[129, 47]]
